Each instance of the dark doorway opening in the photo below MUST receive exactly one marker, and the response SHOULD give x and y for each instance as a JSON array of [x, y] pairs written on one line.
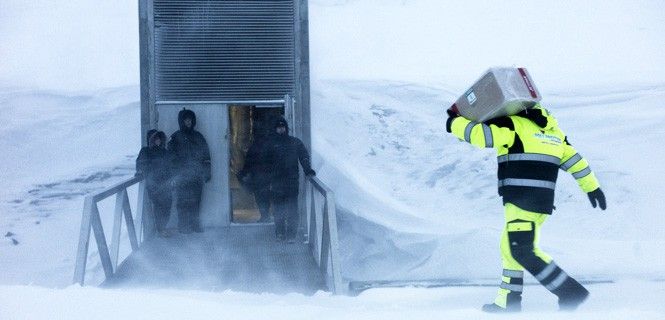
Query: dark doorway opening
[[249, 125]]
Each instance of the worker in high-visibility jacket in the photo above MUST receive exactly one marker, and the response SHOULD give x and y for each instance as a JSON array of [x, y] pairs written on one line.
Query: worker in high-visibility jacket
[[531, 149]]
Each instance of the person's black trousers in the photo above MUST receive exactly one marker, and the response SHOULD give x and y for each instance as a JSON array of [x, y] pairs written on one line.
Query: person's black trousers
[[188, 195], [161, 207], [262, 197], [286, 214]]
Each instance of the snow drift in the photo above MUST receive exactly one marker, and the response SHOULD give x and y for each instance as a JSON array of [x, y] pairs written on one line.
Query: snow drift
[[414, 202]]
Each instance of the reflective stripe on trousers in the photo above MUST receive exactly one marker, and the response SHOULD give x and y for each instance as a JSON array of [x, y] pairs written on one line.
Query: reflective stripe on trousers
[[511, 287], [555, 282], [513, 273]]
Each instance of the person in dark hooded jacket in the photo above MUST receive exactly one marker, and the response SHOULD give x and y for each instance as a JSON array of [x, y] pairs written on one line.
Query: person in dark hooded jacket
[[285, 152], [256, 173], [155, 164], [192, 157]]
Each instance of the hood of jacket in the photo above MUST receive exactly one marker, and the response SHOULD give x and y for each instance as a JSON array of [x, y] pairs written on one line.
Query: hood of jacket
[[281, 122], [156, 135], [148, 136], [540, 116], [182, 115]]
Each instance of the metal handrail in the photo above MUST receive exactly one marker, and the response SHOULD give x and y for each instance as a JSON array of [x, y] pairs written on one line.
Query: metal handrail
[[324, 244], [321, 230], [91, 221]]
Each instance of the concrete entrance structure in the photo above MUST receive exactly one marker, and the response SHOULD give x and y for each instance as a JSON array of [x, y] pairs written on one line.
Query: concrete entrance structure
[[213, 57], [209, 55]]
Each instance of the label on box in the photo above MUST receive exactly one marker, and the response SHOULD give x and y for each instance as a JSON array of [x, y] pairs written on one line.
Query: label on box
[[471, 97]]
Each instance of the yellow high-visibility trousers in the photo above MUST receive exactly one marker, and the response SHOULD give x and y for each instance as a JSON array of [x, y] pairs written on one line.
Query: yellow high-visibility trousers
[[521, 230]]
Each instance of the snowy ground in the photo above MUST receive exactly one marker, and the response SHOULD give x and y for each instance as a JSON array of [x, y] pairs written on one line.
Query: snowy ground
[[428, 171], [396, 200], [401, 232], [414, 203], [607, 302], [52, 159]]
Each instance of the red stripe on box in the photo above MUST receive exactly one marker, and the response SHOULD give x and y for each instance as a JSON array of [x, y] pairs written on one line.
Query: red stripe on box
[[528, 83]]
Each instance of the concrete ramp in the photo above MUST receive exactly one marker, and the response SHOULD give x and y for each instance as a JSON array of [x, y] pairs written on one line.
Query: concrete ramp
[[239, 258]]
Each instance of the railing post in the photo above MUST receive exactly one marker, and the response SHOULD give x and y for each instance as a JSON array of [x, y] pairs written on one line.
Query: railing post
[[103, 249], [141, 208], [304, 223], [324, 245], [313, 232], [91, 220], [117, 227], [331, 212], [325, 240], [129, 221], [84, 242]]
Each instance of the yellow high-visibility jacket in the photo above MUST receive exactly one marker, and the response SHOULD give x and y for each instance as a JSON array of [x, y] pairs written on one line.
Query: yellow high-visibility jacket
[[531, 149]]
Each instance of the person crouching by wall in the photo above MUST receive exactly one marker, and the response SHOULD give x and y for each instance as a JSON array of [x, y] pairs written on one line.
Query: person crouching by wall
[[155, 164]]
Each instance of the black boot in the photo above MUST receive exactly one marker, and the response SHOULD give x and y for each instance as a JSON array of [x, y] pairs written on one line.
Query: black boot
[[494, 308], [513, 304], [571, 294]]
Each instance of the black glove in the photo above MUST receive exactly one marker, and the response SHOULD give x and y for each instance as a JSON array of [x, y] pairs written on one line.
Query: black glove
[[310, 173], [451, 113], [597, 196], [451, 116]]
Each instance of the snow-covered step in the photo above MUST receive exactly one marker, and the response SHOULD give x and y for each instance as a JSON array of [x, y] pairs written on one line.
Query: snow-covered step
[[245, 258]]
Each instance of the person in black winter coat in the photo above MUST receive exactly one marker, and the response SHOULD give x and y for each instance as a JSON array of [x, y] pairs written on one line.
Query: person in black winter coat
[[285, 152], [155, 164], [192, 158], [256, 173]]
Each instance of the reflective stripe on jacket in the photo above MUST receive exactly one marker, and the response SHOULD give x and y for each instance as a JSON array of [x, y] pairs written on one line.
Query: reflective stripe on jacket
[[530, 148]]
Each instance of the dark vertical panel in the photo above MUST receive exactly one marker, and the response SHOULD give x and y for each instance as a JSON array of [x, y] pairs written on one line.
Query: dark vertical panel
[[224, 50]]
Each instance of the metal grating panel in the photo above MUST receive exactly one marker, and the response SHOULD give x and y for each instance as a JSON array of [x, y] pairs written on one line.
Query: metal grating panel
[[224, 49]]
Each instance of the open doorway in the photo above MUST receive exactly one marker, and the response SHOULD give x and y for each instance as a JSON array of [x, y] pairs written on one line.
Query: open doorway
[[249, 125]]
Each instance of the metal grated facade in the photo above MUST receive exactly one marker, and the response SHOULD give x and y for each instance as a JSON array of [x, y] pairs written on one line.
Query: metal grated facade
[[207, 50]]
